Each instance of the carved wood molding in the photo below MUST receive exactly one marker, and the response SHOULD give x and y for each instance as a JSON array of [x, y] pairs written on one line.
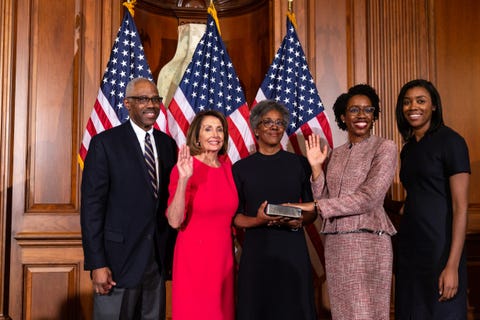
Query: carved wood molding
[[49, 239], [195, 10]]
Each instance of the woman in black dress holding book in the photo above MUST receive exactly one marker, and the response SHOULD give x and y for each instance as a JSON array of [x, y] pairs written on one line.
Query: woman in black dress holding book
[[275, 277]]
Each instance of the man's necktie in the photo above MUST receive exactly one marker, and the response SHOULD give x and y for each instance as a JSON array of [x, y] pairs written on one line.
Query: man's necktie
[[150, 160]]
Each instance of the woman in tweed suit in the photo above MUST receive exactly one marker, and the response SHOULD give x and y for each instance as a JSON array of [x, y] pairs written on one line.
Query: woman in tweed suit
[[349, 186]]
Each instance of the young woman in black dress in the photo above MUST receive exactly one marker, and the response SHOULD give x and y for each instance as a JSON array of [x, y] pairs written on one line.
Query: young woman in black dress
[[431, 274]]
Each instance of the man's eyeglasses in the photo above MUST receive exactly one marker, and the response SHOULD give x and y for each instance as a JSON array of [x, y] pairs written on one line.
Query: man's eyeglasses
[[268, 123], [145, 100], [356, 110]]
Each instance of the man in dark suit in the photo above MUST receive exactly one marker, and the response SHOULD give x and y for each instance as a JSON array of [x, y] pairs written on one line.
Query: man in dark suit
[[124, 197]]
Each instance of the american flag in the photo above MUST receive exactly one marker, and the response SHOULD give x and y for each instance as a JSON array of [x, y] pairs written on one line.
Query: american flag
[[290, 82], [127, 61], [210, 82]]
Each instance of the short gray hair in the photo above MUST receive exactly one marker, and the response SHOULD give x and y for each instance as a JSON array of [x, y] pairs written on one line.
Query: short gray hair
[[131, 85], [263, 107]]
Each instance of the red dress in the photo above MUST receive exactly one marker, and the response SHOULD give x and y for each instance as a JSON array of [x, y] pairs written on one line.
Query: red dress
[[203, 272]]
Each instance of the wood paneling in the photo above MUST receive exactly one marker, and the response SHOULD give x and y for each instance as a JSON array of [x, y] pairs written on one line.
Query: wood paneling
[[52, 57], [397, 49], [458, 68], [59, 49], [54, 284], [52, 102], [6, 58], [49, 291], [330, 49]]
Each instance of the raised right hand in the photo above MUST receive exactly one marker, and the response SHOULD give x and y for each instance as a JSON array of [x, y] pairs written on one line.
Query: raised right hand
[[185, 162], [316, 155]]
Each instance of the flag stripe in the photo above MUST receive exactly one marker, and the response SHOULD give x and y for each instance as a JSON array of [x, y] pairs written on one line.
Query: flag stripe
[[234, 123], [162, 120], [289, 82], [211, 83], [317, 263], [180, 117], [127, 61], [314, 237]]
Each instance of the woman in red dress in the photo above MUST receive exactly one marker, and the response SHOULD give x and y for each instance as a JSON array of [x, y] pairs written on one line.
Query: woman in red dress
[[203, 200]]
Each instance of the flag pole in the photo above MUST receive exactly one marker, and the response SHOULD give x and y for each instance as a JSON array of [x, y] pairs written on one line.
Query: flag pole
[[130, 5], [290, 13], [213, 12]]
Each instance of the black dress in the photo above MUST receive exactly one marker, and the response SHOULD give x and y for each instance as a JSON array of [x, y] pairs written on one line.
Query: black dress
[[275, 277], [425, 232]]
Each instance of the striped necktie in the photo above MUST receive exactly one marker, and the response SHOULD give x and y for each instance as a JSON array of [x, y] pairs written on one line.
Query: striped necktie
[[150, 161]]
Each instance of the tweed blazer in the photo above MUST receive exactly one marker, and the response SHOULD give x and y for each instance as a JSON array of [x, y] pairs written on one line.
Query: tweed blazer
[[351, 191]]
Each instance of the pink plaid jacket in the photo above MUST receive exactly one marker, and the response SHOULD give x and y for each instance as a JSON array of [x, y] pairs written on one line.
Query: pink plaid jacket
[[350, 196]]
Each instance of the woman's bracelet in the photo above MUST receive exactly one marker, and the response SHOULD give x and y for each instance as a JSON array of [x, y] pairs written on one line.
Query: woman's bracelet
[[315, 206]]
